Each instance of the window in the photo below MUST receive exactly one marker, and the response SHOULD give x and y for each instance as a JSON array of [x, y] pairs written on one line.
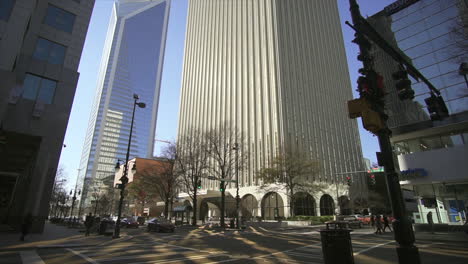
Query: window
[[5, 8], [39, 89], [49, 51], [59, 19]]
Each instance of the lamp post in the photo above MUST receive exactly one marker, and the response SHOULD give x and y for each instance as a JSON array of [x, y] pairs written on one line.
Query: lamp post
[[236, 148], [124, 178], [74, 198]]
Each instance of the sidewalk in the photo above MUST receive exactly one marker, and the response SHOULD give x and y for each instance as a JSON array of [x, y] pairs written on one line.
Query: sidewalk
[[53, 236]]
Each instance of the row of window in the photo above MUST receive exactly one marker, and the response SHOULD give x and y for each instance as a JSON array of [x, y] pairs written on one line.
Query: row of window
[[431, 143]]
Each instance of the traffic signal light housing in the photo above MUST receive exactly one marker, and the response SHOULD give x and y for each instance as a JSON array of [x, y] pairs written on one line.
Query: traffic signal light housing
[[371, 120], [436, 107], [372, 180], [199, 186], [348, 180], [403, 85], [221, 186]]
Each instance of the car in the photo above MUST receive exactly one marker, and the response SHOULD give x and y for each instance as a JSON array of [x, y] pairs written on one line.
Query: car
[[352, 220], [129, 223], [160, 225]]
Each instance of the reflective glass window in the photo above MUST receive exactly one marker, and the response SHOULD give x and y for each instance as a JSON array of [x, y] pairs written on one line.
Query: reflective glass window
[[5, 8], [49, 51], [38, 88], [59, 19]]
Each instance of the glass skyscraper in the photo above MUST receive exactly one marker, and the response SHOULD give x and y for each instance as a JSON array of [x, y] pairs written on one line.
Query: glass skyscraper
[[428, 32], [131, 63]]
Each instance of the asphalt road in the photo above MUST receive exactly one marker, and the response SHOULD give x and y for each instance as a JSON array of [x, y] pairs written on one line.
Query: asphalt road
[[250, 246]]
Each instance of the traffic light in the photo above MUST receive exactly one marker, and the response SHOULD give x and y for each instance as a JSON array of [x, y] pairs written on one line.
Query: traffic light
[[199, 184], [436, 107], [403, 85], [348, 180], [362, 41], [371, 120], [363, 86], [372, 180], [221, 186]]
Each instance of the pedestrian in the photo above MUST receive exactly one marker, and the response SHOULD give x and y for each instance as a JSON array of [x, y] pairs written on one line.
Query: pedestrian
[[26, 226], [89, 223], [378, 225], [386, 223], [430, 221], [372, 222]]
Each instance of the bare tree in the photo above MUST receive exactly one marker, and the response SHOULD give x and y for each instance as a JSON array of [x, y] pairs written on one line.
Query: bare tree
[[140, 191], [224, 158], [292, 170], [58, 189], [191, 164], [159, 180]]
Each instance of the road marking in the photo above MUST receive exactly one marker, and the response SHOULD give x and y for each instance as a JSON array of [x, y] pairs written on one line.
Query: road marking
[[376, 246], [90, 260], [286, 251], [180, 259], [30, 257]]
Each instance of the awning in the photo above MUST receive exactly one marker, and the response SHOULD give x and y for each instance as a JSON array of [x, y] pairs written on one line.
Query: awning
[[182, 208]]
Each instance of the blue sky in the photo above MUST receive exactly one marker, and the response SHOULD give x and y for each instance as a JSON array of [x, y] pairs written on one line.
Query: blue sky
[[169, 100]]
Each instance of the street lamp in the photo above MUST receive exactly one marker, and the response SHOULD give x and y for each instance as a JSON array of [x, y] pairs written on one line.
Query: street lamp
[[74, 198], [124, 178], [236, 148]]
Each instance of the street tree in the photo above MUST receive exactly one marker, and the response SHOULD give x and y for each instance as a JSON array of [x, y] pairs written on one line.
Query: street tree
[[223, 145], [140, 192], [293, 170], [159, 180], [191, 164], [58, 190]]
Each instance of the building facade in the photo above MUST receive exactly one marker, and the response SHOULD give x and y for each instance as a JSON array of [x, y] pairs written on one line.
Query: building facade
[[429, 153], [40, 49], [277, 71], [131, 64]]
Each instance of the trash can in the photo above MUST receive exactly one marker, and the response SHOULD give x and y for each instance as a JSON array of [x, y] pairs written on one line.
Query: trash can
[[334, 240]]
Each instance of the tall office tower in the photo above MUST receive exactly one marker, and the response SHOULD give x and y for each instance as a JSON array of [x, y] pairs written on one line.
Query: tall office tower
[[277, 71], [131, 64], [431, 153], [40, 49]]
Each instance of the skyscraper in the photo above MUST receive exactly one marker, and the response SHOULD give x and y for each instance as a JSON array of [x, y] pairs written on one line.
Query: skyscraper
[[131, 64], [430, 153], [277, 71], [40, 49]]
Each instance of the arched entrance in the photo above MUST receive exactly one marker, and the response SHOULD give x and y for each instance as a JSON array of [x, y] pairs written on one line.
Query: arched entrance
[[249, 207], [209, 210], [327, 205], [345, 205], [272, 206], [304, 204]]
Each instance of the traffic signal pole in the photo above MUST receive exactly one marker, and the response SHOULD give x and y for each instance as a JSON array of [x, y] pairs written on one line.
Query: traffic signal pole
[[403, 230]]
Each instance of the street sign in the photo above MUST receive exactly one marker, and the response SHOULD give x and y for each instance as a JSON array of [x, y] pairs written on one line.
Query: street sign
[[219, 179]]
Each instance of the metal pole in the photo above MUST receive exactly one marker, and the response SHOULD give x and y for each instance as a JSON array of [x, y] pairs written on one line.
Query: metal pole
[[124, 178], [407, 252], [74, 199], [236, 147]]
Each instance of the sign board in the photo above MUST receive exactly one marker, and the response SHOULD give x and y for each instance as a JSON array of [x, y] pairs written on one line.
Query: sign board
[[398, 6], [146, 210]]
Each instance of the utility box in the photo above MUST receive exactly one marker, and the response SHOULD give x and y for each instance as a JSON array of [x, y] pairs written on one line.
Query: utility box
[[336, 244]]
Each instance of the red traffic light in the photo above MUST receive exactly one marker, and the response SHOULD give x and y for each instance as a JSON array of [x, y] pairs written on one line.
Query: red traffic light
[[372, 176]]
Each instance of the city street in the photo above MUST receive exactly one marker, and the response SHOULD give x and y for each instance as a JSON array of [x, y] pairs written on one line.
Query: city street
[[254, 245]]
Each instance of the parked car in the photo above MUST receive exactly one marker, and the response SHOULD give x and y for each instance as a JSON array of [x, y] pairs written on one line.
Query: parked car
[[129, 223], [160, 225]]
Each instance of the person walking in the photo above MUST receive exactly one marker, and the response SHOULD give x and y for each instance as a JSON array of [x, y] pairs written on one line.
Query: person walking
[[378, 225], [26, 226], [88, 223], [372, 222], [430, 221], [386, 223]]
